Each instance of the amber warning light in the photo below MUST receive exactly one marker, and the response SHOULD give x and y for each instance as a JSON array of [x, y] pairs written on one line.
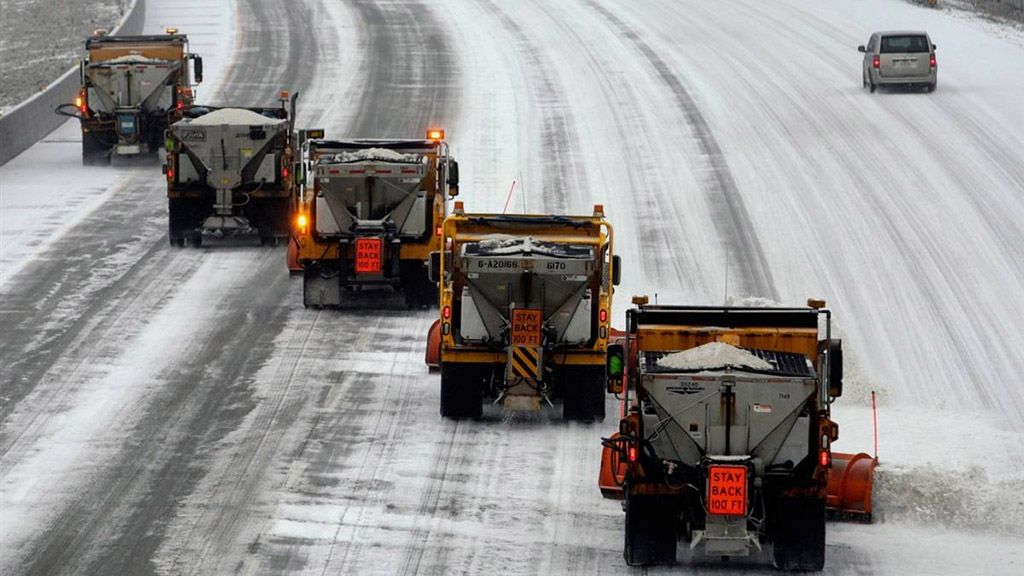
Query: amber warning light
[[301, 222], [435, 134]]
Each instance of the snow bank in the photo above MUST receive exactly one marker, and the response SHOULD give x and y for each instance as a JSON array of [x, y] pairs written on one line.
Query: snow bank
[[238, 116], [713, 355]]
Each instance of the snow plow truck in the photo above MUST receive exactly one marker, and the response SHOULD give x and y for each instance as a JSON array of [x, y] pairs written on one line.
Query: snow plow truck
[[229, 172], [132, 88], [725, 440], [369, 214], [524, 319]]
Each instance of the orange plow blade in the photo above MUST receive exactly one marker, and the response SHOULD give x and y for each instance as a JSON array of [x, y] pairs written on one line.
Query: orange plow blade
[[850, 482], [293, 257], [433, 355], [613, 472]]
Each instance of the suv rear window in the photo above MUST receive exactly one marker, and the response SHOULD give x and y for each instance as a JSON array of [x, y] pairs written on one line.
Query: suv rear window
[[904, 44]]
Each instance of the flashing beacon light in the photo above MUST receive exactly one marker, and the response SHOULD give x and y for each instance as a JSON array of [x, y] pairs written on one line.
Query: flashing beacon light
[[435, 134], [302, 223]]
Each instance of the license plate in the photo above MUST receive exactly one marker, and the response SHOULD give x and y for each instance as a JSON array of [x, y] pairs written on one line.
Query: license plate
[[368, 255], [526, 327], [727, 490], [904, 63]]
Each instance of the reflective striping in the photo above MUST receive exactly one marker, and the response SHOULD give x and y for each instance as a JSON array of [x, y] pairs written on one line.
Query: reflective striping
[[525, 362]]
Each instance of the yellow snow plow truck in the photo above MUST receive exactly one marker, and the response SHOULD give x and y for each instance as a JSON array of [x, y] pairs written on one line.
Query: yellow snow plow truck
[[369, 215], [133, 87], [524, 319], [726, 436]]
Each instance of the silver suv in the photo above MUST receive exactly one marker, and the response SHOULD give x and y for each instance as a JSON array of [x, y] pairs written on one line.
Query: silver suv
[[901, 59]]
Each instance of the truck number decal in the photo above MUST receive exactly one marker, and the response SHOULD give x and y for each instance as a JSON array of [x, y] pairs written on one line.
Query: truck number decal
[[526, 327], [368, 255], [727, 490]]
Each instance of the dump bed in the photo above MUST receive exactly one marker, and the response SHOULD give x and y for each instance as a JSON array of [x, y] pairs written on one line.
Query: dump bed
[[502, 273], [374, 184], [133, 71], [229, 146]]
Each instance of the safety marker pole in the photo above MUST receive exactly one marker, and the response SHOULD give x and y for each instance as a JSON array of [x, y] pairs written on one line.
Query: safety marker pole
[[874, 418], [509, 196]]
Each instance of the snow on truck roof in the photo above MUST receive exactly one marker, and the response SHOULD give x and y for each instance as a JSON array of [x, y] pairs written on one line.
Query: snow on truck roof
[[236, 116], [713, 355], [370, 155], [506, 244], [134, 59]]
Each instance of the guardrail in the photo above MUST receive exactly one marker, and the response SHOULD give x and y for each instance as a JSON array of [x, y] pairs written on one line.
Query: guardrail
[[28, 122]]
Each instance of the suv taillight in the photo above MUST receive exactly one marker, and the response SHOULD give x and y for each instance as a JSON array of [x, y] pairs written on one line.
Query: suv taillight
[[877, 62], [931, 61]]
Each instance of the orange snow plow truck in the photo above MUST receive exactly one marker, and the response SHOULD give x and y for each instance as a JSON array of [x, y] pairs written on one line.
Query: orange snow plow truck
[[726, 435], [369, 214]]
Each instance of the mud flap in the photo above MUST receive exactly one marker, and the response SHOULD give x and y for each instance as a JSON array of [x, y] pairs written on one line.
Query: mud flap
[[652, 524], [799, 535], [320, 288]]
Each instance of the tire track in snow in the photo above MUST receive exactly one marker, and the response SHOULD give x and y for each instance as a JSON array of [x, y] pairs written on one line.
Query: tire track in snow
[[563, 188], [412, 71], [731, 218]]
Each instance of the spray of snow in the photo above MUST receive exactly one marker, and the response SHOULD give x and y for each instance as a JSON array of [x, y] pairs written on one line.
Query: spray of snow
[[960, 499], [713, 355], [233, 116]]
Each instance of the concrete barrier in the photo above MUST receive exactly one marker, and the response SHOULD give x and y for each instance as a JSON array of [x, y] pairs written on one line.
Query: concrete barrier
[[28, 122]]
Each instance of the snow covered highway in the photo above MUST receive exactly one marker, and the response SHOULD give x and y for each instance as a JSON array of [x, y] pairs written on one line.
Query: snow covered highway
[[178, 411]]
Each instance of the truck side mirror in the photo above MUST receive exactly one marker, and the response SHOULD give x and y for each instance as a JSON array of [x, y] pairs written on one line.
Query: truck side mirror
[[616, 270], [197, 68], [615, 362], [835, 368], [434, 267], [453, 178], [861, 48]]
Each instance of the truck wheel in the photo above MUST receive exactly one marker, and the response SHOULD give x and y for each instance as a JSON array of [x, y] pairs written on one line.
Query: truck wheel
[[652, 524], [799, 538], [94, 152], [461, 391], [583, 390]]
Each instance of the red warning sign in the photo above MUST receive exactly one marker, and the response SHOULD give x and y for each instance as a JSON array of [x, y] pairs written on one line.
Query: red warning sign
[[526, 327], [368, 255], [727, 490]]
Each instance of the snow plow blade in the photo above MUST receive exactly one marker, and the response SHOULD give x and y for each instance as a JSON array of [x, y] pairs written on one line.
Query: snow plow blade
[[613, 471], [433, 355], [850, 482], [294, 267]]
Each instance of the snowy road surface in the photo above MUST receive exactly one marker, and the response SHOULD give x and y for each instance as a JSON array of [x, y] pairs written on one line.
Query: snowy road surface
[[178, 412]]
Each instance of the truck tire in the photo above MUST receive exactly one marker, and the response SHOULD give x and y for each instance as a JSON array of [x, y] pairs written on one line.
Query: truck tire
[[652, 524], [583, 391], [799, 534], [461, 391], [94, 151]]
